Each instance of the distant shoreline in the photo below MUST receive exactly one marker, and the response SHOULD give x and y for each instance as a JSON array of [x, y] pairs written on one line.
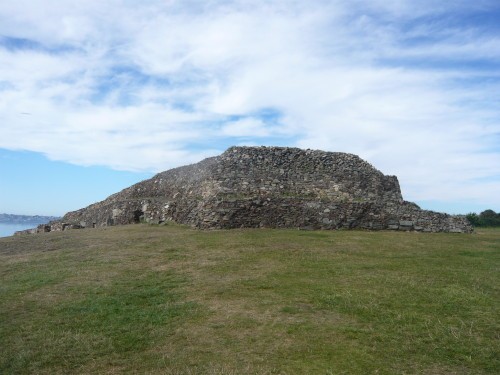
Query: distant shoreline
[[26, 219]]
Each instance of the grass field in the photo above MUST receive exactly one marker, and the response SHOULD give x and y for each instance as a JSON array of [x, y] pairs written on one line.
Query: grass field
[[172, 300]]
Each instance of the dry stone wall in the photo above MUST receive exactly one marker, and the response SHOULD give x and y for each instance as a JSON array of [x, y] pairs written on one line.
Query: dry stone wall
[[275, 187]]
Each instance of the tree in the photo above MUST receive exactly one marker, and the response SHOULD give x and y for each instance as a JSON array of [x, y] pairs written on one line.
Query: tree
[[487, 218], [473, 219]]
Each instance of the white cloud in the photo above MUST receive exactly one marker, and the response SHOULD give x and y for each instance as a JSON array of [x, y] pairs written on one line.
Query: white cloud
[[134, 87], [247, 127]]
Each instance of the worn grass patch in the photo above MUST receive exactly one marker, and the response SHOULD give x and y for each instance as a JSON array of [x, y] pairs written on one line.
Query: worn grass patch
[[171, 300]]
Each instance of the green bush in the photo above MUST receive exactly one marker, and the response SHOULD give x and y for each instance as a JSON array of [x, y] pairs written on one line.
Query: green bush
[[487, 218]]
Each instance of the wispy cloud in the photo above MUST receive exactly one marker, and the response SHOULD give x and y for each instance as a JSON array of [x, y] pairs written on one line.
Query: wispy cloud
[[411, 86]]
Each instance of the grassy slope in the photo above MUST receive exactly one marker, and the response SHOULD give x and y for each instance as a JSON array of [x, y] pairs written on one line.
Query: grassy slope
[[172, 300]]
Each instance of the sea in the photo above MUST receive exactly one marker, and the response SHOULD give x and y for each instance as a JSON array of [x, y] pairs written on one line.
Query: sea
[[7, 230]]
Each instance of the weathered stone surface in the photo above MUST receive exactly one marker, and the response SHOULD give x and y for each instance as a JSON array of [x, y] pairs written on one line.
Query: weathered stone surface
[[406, 223], [274, 187]]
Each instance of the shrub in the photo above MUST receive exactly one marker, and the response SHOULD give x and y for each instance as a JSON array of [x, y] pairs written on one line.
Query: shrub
[[487, 218]]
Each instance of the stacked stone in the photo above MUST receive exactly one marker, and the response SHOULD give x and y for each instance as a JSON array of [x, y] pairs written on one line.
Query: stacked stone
[[275, 187]]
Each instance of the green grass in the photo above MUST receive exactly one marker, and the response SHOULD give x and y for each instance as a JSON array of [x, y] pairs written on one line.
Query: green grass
[[172, 300]]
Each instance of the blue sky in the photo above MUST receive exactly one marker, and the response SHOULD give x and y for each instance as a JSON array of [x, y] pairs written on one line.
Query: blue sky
[[97, 95]]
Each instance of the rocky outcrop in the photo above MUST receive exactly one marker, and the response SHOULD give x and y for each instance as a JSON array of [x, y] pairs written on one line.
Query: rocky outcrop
[[275, 187]]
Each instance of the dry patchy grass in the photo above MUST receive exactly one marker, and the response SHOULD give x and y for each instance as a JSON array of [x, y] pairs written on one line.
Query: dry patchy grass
[[172, 300]]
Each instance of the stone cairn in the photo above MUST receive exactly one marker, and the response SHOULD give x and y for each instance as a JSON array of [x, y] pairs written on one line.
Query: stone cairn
[[266, 187]]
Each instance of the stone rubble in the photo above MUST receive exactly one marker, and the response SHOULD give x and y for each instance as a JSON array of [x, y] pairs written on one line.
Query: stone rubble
[[267, 187]]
